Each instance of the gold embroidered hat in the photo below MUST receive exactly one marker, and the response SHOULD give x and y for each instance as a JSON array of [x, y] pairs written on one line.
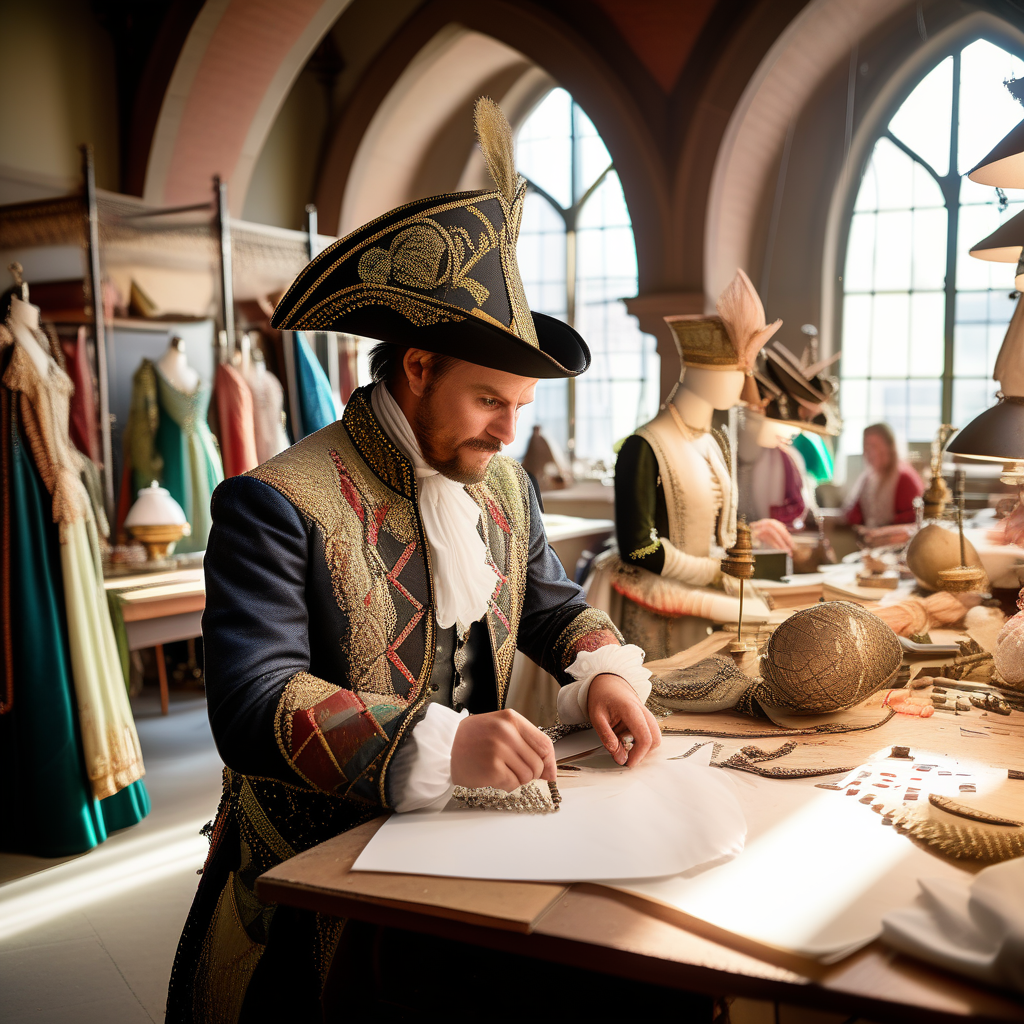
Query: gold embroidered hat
[[441, 274], [732, 339]]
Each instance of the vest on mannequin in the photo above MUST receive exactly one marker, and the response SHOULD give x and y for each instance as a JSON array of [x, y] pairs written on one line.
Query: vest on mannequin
[[675, 490], [173, 364]]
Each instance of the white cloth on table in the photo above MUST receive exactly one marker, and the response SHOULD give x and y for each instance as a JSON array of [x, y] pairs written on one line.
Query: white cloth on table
[[973, 927]]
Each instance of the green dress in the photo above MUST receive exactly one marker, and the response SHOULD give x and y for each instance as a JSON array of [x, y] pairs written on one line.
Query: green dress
[[46, 803], [192, 465]]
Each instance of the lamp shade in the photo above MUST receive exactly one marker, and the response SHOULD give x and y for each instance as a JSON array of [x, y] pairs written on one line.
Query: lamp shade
[[1004, 244], [996, 435], [1003, 167]]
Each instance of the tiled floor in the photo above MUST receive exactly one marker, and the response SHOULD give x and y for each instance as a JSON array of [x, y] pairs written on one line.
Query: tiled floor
[[91, 938]]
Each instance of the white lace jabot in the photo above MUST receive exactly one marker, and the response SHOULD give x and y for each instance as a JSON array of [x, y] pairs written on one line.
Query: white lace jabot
[[463, 581]]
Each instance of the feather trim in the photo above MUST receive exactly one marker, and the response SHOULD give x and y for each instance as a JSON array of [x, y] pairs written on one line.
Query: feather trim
[[963, 842], [741, 311], [495, 135]]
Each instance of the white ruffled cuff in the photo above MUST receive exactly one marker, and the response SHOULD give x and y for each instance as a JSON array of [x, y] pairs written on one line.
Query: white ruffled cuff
[[421, 772], [626, 661]]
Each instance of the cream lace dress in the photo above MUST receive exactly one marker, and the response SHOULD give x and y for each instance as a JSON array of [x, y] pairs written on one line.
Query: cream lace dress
[[110, 743]]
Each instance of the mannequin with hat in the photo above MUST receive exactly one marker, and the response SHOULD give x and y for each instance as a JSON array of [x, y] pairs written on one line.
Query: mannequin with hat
[[367, 589], [788, 399], [675, 489]]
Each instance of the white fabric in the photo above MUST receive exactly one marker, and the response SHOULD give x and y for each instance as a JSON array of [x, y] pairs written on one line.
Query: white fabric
[[626, 661], [877, 496], [463, 581], [970, 926], [421, 771]]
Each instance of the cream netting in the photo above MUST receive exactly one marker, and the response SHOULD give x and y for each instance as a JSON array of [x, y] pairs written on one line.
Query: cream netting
[[264, 258]]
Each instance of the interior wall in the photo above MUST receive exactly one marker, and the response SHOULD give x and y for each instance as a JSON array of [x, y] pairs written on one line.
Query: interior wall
[[284, 178], [59, 90]]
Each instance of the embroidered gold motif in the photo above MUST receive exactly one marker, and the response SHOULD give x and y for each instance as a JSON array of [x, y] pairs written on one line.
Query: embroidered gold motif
[[647, 549]]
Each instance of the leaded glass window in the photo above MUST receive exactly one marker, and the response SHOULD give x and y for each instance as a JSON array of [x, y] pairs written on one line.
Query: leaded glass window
[[578, 260], [922, 319]]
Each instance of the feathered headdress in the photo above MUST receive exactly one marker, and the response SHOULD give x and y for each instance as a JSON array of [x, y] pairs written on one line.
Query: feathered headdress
[[495, 136], [741, 311]]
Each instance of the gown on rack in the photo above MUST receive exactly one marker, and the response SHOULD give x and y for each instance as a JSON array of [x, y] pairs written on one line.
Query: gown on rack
[[47, 807], [192, 464], [315, 396], [110, 744]]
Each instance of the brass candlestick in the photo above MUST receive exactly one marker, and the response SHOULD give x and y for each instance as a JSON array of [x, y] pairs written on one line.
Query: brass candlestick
[[739, 563], [964, 577]]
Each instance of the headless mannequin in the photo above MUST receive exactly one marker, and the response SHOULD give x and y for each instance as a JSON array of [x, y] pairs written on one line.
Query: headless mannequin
[[174, 366], [23, 321]]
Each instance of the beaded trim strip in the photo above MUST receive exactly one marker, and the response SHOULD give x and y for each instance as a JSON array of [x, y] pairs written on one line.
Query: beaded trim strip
[[537, 797]]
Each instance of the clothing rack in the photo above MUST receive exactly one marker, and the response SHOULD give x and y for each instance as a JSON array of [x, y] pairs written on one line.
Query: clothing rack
[[246, 260]]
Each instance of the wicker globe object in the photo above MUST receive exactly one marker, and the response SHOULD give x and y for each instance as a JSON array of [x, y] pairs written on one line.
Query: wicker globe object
[[1009, 652], [933, 549], [827, 658]]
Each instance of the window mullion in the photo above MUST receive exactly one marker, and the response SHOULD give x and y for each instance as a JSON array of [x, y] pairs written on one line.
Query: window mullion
[[951, 195]]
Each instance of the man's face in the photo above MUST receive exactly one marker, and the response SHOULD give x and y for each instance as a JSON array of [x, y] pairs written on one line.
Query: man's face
[[465, 416]]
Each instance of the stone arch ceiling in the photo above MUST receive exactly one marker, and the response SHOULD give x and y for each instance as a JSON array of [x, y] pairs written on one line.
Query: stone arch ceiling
[[233, 74], [661, 34]]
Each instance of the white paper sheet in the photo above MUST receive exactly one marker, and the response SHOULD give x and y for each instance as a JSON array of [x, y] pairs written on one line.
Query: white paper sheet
[[817, 874], [660, 818]]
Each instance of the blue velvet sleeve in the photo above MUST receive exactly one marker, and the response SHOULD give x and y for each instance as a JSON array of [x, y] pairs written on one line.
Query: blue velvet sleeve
[[256, 624]]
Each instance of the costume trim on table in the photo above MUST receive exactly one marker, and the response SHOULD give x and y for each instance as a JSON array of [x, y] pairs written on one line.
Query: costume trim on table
[[963, 842]]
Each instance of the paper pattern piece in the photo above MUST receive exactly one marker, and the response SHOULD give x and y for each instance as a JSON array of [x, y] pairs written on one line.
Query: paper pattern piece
[[660, 818], [818, 872]]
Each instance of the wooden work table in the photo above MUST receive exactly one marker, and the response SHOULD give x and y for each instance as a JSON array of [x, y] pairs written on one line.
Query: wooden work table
[[598, 929]]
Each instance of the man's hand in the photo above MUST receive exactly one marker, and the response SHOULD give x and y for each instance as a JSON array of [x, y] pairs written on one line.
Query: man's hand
[[770, 533], [615, 710], [500, 749]]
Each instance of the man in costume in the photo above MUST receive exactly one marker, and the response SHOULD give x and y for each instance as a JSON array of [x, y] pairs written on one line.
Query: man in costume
[[368, 588]]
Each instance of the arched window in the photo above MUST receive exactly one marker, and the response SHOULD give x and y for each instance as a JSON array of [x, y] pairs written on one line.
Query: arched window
[[578, 260], [922, 319]]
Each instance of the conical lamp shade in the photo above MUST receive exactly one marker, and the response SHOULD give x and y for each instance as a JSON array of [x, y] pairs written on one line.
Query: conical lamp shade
[[1004, 244], [996, 435], [1004, 165]]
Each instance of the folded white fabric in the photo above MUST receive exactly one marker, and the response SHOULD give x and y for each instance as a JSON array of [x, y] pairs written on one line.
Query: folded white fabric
[[974, 927], [626, 661]]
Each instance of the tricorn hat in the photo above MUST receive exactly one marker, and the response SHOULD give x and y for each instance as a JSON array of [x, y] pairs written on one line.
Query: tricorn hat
[[441, 274], [812, 394]]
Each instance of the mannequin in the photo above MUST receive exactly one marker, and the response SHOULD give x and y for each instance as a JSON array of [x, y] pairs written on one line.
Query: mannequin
[[23, 321], [268, 408], [174, 366], [770, 478], [675, 491]]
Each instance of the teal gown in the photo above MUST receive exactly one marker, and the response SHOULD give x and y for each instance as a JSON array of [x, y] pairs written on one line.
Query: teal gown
[[315, 398], [46, 802], [192, 463]]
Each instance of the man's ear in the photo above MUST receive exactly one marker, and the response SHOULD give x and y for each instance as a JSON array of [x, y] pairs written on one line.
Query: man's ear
[[416, 365]]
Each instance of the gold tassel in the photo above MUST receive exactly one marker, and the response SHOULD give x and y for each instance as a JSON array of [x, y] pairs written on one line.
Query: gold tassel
[[495, 135]]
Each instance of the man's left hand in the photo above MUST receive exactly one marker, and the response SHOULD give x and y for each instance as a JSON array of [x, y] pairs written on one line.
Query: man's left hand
[[615, 710]]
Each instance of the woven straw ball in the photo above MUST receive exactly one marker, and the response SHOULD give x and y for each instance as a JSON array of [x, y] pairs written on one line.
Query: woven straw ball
[[829, 657]]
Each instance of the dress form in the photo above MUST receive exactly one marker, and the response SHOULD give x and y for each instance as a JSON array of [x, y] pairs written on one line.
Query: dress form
[[23, 320], [174, 366]]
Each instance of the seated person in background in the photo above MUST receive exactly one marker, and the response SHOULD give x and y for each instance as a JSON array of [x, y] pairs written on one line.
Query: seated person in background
[[883, 495]]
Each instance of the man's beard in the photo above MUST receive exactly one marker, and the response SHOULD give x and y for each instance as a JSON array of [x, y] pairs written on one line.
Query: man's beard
[[444, 456]]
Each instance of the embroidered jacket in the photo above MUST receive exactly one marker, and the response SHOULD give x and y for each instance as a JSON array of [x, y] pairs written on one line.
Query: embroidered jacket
[[319, 637]]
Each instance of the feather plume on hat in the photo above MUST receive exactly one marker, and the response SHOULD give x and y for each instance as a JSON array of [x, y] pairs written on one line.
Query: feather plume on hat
[[743, 315], [495, 136]]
